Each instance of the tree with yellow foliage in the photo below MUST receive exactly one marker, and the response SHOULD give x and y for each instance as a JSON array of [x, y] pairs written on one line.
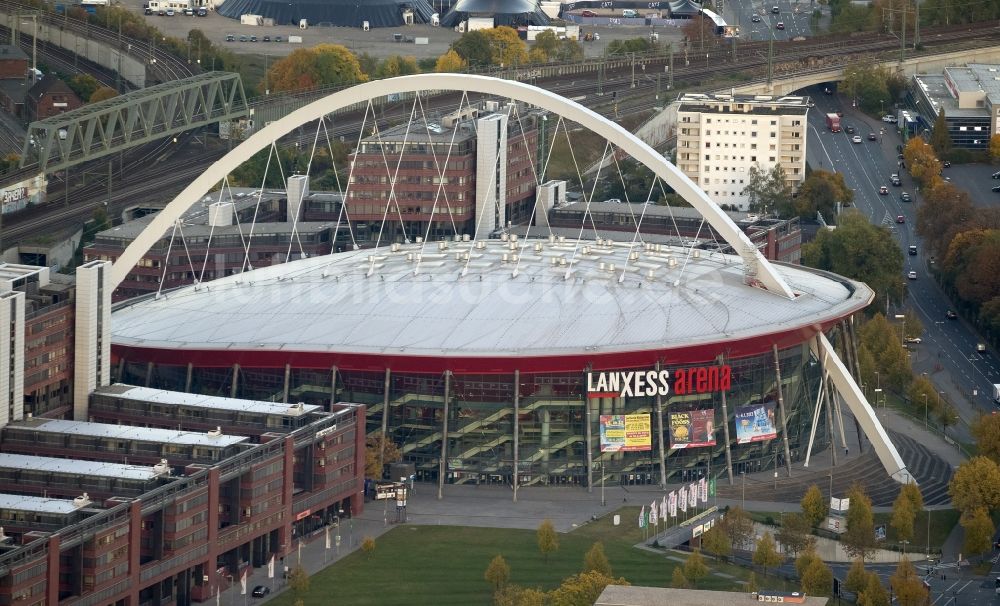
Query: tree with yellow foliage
[[321, 65]]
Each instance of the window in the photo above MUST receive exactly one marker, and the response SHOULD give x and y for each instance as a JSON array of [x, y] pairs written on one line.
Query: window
[[753, 133]]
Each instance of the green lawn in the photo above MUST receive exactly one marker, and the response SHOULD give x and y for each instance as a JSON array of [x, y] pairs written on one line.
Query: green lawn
[[445, 564]]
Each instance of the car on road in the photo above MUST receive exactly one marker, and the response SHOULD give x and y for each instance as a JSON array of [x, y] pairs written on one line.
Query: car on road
[[779, 25], [588, 14], [889, 118], [996, 188], [900, 219], [260, 591], [912, 275], [849, 130], [996, 175], [856, 139], [912, 250], [775, 10], [872, 137], [894, 179], [904, 197], [951, 315], [914, 340], [756, 19], [883, 191], [946, 164]]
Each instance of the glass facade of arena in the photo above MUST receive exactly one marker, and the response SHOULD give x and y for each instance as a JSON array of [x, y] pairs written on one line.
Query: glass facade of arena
[[554, 421]]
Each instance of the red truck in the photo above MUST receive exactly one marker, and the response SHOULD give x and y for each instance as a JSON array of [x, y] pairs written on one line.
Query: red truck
[[833, 123]]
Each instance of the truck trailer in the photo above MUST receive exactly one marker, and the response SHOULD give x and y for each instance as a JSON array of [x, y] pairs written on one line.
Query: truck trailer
[[833, 123], [996, 393]]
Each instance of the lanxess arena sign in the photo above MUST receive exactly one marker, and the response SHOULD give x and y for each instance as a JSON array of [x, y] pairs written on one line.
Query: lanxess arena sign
[[640, 383]]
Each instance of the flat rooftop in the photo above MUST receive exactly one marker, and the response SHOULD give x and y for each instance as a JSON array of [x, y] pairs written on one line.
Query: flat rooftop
[[127, 432], [935, 89], [759, 104], [177, 398], [620, 595], [20, 502], [77, 467]]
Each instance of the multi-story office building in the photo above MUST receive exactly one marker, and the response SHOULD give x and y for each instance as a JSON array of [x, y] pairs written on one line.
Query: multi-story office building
[[450, 178], [720, 137], [969, 97], [165, 511]]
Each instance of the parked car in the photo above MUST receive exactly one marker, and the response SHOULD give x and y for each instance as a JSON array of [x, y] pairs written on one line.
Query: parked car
[[260, 591], [755, 18], [243, 38], [904, 197], [779, 25], [890, 119], [230, 38], [266, 38], [588, 14], [170, 12], [900, 219], [775, 10], [872, 137], [951, 315], [277, 38], [914, 340], [856, 139], [253, 38]]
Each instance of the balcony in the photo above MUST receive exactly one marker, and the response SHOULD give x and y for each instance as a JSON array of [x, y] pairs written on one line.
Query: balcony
[[177, 562]]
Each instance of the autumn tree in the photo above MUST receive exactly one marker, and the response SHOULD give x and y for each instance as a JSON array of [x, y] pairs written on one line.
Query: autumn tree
[[859, 538], [695, 568], [83, 85], [497, 573], [450, 62], [499, 46], [767, 190], [819, 192], [861, 251], [881, 350], [548, 541], [971, 264], [379, 451], [548, 47], [857, 576], [903, 516], [921, 161], [872, 593], [715, 542], [583, 589], [368, 546], [513, 595], [320, 65], [103, 94], [794, 533], [298, 581], [978, 531], [678, 580], [766, 553], [907, 586], [975, 484], [738, 526], [699, 33], [396, 65], [817, 578], [595, 559], [804, 560], [946, 210], [994, 148], [940, 138], [986, 431], [814, 505]]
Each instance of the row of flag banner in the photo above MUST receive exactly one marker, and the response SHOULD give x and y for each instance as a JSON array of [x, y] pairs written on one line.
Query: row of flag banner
[[680, 499]]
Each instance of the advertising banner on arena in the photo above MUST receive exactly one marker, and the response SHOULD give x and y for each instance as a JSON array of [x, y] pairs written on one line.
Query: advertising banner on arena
[[625, 433], [755, 423], [692, 429], [22, 194]]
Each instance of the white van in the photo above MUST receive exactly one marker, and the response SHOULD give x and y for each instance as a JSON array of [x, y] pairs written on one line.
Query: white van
[[629, 13]]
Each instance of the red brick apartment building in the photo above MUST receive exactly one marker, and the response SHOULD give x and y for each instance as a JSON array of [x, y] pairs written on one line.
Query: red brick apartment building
[[162, 511]]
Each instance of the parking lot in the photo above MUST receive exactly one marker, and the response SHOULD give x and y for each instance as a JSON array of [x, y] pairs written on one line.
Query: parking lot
[[975, 179], [377, 42]]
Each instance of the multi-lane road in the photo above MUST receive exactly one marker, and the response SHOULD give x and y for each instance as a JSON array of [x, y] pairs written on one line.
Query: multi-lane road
[[794, 16], [948, 349]]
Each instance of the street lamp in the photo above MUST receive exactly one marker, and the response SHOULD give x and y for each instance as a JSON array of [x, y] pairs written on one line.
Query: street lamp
[[743, 493], [902, 333], [878, 390], [925, 409]]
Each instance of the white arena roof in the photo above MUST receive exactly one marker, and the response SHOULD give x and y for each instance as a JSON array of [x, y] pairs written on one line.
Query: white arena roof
[[668, 297]]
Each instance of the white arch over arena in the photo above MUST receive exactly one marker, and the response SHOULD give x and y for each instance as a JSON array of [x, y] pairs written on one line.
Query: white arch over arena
[[570, 110], [766, 275]]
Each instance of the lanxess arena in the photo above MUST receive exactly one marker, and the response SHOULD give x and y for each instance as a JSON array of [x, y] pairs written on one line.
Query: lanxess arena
[[522, 360]]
